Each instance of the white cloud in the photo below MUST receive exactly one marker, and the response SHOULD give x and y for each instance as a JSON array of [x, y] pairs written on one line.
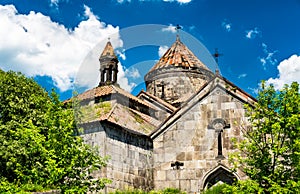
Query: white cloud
[[88, 13], [178, 1], [251, 34], [121, 54], [254, 90], [35, 45], [170, 28], [54, 2], [122, 1], [162, 50], [269, 56], [226, 25], [184, 1], [289, 71], [191, 28], [242, 75], [122, 79], [132, 72]]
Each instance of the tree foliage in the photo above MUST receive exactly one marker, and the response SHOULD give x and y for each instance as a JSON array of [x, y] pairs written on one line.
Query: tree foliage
[[270, 153], [38, 143], [139, 191]]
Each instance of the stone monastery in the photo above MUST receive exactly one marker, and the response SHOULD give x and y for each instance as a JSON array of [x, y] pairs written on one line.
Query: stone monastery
[[175, 134]]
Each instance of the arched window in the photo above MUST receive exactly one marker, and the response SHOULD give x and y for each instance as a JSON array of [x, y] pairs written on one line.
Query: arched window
[[113, 76], [104, 75], [219, 125], [219, 175]]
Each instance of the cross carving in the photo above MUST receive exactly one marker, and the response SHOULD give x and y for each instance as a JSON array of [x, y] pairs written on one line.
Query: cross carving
[[176, 165], [219, 125]]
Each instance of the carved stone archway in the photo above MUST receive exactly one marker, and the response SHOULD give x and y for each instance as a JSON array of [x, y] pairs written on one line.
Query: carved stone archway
[[220, 174]]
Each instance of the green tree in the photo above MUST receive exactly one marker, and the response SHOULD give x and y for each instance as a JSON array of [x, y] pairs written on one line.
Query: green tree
[[38, 145], [270, 152]]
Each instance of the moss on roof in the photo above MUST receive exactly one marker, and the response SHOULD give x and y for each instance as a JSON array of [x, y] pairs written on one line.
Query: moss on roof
[[94, 112]]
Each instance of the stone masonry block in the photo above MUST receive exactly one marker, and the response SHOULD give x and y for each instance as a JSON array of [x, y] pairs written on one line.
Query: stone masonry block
[[185, 185], [189, 156], [181, 156], [190, 164], [189, 124], [159, 158], [173, 184], [158, 144], [194, 186], [171, 175], [160, 185], [169, 157], [187, 174]]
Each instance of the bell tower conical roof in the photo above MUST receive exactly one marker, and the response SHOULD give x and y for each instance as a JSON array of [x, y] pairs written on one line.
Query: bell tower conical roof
[[108, 50]]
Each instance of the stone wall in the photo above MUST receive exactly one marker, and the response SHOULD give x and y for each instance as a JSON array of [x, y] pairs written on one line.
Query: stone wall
[[178, 83], [130, 156], [193, 140]]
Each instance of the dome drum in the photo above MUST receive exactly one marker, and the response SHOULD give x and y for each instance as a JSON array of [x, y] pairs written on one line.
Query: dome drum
[[175, 84]]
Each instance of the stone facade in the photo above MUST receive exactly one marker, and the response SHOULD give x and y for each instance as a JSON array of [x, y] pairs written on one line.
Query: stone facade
[[130, 156], [176, 134], [191, 137]]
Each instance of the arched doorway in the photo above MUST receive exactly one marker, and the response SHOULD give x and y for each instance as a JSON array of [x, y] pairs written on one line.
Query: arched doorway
[[219, 175]]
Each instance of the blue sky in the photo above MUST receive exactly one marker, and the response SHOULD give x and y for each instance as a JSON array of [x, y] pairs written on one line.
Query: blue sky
[[56, 41]]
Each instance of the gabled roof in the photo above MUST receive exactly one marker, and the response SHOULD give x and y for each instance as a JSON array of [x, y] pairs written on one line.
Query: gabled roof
[[125, 117], [178, 55], [218, 81], [161, 102], [108, 90], [108, 50], [114, 112]]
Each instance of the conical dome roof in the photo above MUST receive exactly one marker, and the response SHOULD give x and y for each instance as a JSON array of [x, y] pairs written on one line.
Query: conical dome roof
[[178, 55], [108, 50], [177, 75]]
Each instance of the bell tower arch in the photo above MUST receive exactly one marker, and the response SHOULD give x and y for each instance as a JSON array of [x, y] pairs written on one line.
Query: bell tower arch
[[108, 66]]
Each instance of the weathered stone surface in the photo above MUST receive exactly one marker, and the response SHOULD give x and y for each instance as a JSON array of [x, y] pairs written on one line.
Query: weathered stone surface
[[181, 156], [197, 144], [197, 134], [161, 175], [171, 175]]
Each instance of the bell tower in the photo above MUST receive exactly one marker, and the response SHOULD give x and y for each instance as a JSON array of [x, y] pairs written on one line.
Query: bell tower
[[108, 65]]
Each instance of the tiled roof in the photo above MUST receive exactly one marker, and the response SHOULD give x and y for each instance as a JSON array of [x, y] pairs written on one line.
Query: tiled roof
[[95, 92], [162, 102], [123, 116], [133, 120], [108, 50], [107, 90], [116, 113], [178, 55]]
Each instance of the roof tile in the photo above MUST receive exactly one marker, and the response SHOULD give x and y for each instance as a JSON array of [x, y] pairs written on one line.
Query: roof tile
[[178, 55]]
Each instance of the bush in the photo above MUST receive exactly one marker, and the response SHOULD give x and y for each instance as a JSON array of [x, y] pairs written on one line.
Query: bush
[[216, 189], [39, 147], [139, 191]]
